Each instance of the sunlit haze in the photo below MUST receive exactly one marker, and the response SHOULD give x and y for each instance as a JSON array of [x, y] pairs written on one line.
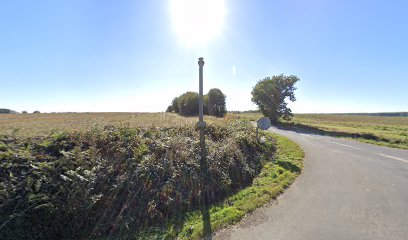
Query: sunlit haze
[[136, 56], [197, 21]]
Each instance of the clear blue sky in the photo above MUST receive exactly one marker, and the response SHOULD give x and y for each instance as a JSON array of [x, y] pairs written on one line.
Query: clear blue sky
[[100, 55]]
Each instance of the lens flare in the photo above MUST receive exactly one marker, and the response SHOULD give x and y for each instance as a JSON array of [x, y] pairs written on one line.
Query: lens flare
[[196, 22]]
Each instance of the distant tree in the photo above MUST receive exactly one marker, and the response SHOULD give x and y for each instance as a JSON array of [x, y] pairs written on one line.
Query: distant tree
[[36, 111], [188, 103], [216, 103], [270, 94], [169, 109], [5, 110], [205, 104], [174, 105], [24, 112]]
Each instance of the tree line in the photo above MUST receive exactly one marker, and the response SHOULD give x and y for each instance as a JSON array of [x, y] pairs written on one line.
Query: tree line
[[187, 103], [9, 111]]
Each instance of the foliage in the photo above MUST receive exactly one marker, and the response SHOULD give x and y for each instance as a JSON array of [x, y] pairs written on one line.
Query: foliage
[[187, 104], [216, 103], [270, 94], [105, 181], [273, 179], [174, 105], [169, 109], [5, 110]]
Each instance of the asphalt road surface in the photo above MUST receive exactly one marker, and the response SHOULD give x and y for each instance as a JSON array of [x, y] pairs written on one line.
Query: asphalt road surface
[[347, 190]]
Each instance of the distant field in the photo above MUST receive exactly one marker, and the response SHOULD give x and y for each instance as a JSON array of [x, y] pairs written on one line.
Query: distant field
[[31, 125], [386, 131]]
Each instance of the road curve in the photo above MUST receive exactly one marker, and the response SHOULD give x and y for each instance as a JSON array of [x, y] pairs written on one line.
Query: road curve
[[347, 190]]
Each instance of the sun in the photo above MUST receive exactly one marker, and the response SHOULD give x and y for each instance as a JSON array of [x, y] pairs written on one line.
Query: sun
[[196, 22]]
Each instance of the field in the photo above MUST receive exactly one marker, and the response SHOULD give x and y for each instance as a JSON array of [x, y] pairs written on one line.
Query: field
[[380, 130], [134, 175], [32, 125]]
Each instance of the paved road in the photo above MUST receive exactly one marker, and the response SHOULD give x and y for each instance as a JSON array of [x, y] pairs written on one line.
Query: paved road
[[348, 190]]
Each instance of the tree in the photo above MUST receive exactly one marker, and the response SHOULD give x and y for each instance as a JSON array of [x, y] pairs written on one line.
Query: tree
[[270, 94], [169, 109], [174, 105], [216, 103], [205, 104], [36, 111], [188, 103], [24, 112], [5, 110]]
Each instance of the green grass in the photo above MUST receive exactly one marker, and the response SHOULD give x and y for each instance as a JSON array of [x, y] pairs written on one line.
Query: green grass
[[379, 130], [274, 178], [384, 131]]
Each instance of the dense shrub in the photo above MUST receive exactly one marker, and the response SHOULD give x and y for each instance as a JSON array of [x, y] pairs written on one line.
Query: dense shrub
[[106, 181]]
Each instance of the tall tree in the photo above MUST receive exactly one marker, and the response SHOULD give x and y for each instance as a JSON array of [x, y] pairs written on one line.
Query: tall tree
[[188, 103], [270, 95], [174, 105], [216, 103]]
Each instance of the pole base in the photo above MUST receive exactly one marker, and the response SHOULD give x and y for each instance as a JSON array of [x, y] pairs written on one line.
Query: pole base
[[201, 125]]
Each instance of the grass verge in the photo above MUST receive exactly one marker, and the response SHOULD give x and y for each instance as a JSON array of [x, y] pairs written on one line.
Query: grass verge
[[273, 179], [379, 130]]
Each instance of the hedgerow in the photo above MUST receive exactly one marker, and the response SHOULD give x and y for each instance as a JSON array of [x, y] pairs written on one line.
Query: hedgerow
[[114, 179]]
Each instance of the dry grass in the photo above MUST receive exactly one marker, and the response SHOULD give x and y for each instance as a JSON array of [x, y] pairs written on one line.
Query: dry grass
[[31, 125]]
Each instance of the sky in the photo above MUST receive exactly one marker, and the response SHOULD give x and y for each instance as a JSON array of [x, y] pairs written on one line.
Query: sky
[[136, 56]]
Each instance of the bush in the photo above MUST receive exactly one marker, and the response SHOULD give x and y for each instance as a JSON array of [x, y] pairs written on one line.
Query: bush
[[105, 181]]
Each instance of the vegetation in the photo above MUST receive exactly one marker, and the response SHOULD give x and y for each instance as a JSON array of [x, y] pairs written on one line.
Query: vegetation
[[270, 94], [275, 176], [385, 114], [380, 130], [5, 111], [187, 104], [116, 179], [385, 131], [216, 103], [34, 125]]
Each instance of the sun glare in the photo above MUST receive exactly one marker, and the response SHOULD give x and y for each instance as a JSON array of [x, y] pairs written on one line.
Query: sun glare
[[196, 22]]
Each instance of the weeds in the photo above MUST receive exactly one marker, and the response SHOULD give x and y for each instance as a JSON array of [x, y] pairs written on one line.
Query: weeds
[[112, 180]]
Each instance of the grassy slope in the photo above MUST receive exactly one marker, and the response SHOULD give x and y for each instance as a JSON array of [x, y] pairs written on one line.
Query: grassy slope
[[384, 131], [271, 182]]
